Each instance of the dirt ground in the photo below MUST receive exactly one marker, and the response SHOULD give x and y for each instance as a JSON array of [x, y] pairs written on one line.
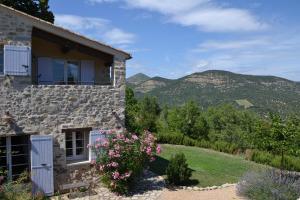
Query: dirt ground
[[219, 194]]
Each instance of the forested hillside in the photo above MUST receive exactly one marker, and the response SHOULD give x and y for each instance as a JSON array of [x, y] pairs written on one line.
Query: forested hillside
[[262, 94]]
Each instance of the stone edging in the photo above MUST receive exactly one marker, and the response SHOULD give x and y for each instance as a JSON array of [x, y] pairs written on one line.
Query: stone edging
[[195, 188]]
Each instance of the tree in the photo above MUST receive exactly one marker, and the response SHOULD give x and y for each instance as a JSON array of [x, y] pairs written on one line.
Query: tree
[[148, 114], [131, 110], [36, 8], [282, 136]]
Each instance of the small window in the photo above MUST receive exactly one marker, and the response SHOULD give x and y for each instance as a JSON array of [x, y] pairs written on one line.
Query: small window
[[76, 142], [1, 60]]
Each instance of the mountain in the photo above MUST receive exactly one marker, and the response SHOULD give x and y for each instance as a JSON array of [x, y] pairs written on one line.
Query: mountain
[[137, 79], [259, 93]]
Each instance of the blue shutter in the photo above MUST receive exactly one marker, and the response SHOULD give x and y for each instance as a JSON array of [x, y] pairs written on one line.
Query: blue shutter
[[17, 60], [94, 135], [42, 164]]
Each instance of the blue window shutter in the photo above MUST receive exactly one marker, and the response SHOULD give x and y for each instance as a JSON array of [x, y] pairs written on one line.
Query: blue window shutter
[[94, 135], [17, 60], [42, 164]]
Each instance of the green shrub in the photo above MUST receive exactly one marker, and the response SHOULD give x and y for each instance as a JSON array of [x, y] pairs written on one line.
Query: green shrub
[[19, 190], [290, 162], [269, 185], [177, 170]]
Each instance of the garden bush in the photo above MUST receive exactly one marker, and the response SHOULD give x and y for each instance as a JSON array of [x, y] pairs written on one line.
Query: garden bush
[[290, 162], [270, 185], [121, 157], [178, 171], [19, 189]]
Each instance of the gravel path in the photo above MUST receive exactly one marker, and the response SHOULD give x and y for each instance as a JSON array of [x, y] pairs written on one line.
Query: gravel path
[[152, 187], [227, 193]]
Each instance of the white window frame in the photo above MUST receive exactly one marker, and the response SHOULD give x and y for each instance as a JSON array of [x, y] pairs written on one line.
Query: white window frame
[[75, 157]]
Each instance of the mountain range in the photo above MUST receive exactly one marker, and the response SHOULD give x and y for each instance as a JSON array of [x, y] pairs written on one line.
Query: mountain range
[[263, 94]]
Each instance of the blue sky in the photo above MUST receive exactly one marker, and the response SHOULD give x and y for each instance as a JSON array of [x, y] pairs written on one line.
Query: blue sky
[[173, 38]]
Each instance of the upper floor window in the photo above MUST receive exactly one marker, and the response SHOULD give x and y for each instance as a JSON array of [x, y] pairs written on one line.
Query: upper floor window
[[60, 72], [1, 60]]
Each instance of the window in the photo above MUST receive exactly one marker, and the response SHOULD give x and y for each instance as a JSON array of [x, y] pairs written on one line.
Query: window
[[3, 154], [58, 71], [72, 72], [76, 142], [1, 59], [14, 155]]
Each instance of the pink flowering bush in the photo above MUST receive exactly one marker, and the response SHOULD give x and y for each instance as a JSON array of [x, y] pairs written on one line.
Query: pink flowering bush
[[121, 157]]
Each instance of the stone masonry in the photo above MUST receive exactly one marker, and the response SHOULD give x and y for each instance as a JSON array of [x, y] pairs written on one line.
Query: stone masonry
[[47, 109]]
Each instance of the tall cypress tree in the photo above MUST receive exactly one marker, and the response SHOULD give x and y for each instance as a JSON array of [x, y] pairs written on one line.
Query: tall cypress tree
[[37, 8]]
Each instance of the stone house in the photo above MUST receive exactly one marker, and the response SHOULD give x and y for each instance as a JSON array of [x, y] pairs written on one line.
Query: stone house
[[57, 88]]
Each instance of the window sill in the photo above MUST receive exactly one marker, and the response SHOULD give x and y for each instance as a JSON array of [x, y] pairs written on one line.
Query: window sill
[[79, 163]]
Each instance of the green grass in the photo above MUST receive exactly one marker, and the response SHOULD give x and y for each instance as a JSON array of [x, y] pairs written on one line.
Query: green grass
[[209, 167]]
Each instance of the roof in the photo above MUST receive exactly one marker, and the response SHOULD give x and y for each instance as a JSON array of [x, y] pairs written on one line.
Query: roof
[[65, 33]]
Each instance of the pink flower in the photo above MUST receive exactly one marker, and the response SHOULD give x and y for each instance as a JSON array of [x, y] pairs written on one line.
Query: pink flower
[[114, 164], [101, 167], [134, 137], [105, 143], [120, 136], [93, 162], [111, 153], [127, 174], [88, 146], [149, 150], [98, 139], [116, 175], [117, 155], [117, 147], [158, 149], [97, 146], [127, 140]]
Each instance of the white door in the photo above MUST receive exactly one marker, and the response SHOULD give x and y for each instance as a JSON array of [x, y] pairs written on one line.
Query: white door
[[42, 164]]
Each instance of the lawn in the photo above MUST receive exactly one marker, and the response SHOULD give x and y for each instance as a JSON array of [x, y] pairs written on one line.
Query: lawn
[[209, 167]]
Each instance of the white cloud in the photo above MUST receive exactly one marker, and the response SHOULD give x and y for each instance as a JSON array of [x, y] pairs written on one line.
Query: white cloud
[[235, 44], [220, 20], [117, 36], [165, 6], [270, 55], [96, 28], [206, 15]]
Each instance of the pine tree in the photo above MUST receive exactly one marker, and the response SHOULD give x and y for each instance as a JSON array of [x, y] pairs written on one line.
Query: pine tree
[[36, 8]]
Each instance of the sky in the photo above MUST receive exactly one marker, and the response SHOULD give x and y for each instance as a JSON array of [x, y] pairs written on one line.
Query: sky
[[174, 38]]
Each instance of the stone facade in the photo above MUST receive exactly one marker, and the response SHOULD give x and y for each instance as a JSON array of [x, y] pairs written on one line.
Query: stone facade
[[14, 30], [48, 109]]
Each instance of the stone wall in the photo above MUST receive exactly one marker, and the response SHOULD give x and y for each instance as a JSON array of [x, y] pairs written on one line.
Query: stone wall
[[13, 29], [42, 109]]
